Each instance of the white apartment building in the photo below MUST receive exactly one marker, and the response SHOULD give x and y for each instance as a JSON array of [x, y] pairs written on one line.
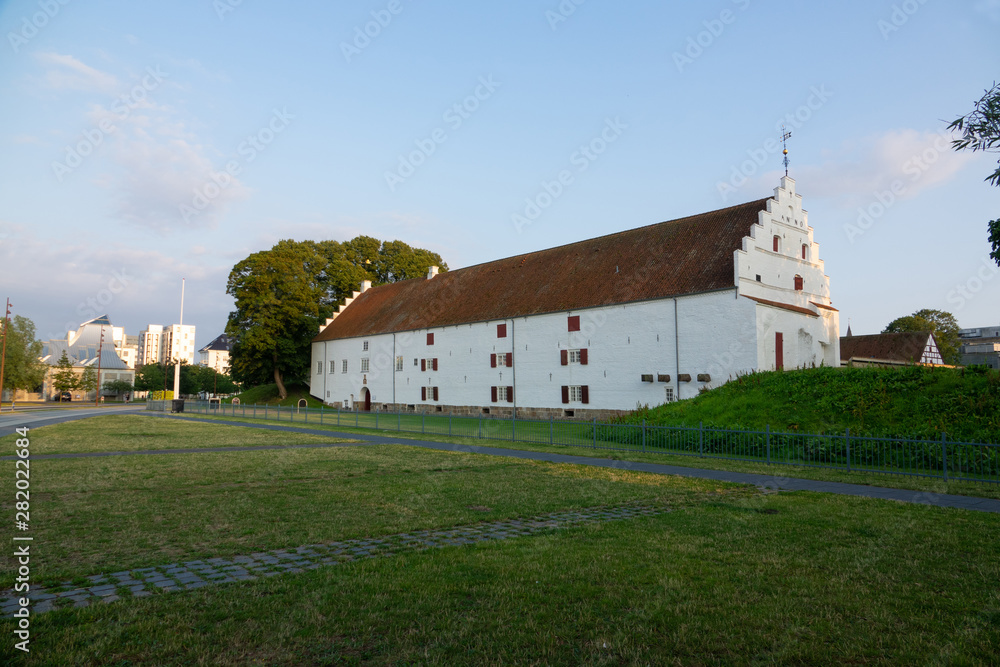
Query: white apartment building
[[163, 344]]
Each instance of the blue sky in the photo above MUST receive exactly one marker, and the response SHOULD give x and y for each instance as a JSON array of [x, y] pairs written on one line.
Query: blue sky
[[145, 142]]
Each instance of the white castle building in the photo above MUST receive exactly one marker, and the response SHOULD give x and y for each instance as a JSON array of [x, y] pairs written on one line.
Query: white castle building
[[644, 316]]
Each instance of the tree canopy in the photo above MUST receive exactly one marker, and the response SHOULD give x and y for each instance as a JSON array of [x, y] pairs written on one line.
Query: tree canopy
[[65, 378], [980, 131], [22, 369], [284, 294], [938, 322]]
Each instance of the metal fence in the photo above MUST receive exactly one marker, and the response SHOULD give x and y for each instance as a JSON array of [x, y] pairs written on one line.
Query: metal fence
[[942, 458]]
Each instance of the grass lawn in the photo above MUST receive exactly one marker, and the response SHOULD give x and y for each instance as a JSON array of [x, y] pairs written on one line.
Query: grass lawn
[[497, 434], [730, 576]]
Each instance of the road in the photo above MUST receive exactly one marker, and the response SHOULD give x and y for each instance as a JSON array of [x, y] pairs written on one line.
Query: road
[[36, 416]]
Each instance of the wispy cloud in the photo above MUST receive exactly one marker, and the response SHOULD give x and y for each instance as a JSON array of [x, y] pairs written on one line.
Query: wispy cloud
[[68, 73]]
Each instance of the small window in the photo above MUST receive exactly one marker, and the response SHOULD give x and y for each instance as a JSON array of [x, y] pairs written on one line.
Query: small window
[[576, 394], [319, 368], [344, 367], [670, 394], [333, 366], [415, 362], [399, 363], [364, 365], [501, 360], [777, 243], [758, 277], [798, 283], [364, 346], [502, 394], [805, 251], [573, 323], [430, 339], [502, 330]]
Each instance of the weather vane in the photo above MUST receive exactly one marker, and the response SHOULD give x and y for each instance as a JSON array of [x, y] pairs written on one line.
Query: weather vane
[[784, 146]]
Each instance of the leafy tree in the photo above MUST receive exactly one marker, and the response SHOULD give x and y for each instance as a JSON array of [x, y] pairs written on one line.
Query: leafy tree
[[285, 293], [189, 378], [938, 322], [88, 381], [65, 378], [118, 387], [22, 369], [150, 377], [980, 130]]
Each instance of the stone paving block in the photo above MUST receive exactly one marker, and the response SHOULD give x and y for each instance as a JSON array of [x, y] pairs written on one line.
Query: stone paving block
[[110, 598], [141, 594], [42, 607], [102, 590], [196, 584]]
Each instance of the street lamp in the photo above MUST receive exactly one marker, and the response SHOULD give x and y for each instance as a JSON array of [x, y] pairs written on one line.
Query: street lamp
[[3, 354]]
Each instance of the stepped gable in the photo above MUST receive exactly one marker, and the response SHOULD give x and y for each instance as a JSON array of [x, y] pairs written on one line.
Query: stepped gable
[[685, 256]]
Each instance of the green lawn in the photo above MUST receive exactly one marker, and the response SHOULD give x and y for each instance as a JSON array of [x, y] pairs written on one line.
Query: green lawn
[[731, 576], [497, 433]]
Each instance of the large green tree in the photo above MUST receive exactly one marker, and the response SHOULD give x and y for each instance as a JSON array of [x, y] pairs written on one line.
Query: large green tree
[[938, 322], [150, 377], [22, 369], [285, 293], [980, 131]]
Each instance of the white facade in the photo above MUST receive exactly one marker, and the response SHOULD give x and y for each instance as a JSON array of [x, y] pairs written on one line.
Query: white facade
[[622, 356], [177, 343], [150, 340]]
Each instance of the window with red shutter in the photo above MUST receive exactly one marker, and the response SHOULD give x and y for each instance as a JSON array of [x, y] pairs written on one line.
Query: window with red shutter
[[564, 357], [510, 394], [435, 393], [423, 364], [804, 250], [776, 242], [435, 363], [510, 359], [430, 339], [501, 331], [423, 393], [583, 357], [585, 393], [493, 361], [493, 394], [565, 394], [574, 322], [798, 283]]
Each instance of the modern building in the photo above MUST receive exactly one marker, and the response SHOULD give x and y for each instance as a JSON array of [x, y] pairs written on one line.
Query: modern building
[[644, 316], [160, 344], [93, 340], [980, 346], [216, 354], [890, 349]]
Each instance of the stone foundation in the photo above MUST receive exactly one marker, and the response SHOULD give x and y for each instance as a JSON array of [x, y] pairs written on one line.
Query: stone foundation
[[504, 411]]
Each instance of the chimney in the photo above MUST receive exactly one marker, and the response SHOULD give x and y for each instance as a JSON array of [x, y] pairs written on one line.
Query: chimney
[[431, 272], [366, 285]]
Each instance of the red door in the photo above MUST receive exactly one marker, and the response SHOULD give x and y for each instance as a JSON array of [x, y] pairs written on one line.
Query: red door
[[368, 401], [779, 351]]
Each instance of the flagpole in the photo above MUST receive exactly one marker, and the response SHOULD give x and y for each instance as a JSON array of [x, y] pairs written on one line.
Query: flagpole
[[177, 359]]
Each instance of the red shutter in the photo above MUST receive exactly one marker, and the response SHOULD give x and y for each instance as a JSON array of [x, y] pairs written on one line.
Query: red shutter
[[585, 393], [775, 244], [564, 357], [423, 364], [493, 394], [510, 394], [583, 357], [565, 392], [574, 322], [493, 361], [779, 351], [501, 331], [803, 251], [798, 283], [430, 339], [435, 393], [510, 359], [423, 393], [435, 363]]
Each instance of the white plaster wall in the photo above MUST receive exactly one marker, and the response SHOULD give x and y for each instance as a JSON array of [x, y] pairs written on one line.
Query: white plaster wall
[[807, 341], [717, 336]]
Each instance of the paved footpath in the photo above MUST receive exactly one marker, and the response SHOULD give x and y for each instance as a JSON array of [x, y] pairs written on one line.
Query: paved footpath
[[146, 581]]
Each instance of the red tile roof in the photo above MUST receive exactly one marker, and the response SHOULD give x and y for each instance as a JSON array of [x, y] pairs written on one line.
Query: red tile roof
[[905, 347], [685, 256]]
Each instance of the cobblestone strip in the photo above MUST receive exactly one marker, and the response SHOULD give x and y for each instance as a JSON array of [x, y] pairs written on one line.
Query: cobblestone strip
[[193, 574]]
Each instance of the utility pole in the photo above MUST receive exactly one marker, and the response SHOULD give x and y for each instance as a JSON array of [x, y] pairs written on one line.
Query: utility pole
[[3, 354], [100, 353]]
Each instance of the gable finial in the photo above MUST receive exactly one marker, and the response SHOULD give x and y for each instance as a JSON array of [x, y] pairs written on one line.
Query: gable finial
[[784, 146]]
